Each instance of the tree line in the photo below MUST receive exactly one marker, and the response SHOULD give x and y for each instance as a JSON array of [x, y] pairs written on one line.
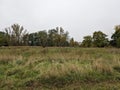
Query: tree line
[[99, 39], [16, 35]]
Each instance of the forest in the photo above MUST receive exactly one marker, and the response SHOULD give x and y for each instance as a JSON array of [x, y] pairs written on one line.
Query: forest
[[16, 35]]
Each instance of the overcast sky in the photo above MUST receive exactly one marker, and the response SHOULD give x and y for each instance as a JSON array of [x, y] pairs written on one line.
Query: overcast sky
[[78, 17]]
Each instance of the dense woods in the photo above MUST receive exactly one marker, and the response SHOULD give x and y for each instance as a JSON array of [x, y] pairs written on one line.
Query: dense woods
[[16, 35]]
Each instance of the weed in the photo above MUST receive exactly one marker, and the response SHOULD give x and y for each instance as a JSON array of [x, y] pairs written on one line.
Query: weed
[[59, 68]]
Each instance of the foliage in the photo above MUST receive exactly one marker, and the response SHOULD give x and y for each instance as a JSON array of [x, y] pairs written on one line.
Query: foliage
[[87, 42], [116, 37], [73, 43], [99, 39], [57, 37], [3, 41], [15, 34], [42, 38]]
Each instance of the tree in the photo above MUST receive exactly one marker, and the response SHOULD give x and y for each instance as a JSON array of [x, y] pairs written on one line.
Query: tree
[[116, 37], [99, 39], [33, 39], [42, 36], [63, 37], [25, 40], [72, 42], [87, 42], [52, 37], [15, 34], [57, 37], [76, 44], [3, 41]]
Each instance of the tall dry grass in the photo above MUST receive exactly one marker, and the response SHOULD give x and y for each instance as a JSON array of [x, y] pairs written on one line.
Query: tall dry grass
[[57, 67]]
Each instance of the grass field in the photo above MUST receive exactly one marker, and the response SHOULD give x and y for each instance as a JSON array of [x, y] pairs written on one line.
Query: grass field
[[37, 68]]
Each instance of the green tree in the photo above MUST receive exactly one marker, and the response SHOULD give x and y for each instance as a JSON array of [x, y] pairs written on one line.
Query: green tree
[[63, 37], [3, 41], [87, 42], [42, 37], [52, 37], [99, 39], [15, 34], [76, 44], [57, 37], [116, 37], [72, 44], [25, 40], [33, 39]]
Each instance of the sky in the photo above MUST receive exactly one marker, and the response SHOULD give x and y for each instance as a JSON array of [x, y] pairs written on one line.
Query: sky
[[78, 17]]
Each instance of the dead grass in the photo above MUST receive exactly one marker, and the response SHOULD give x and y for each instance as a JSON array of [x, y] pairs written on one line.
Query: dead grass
[[24, 67]]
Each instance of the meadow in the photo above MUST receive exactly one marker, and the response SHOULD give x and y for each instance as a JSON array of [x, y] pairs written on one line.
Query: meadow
[[59, 68]]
